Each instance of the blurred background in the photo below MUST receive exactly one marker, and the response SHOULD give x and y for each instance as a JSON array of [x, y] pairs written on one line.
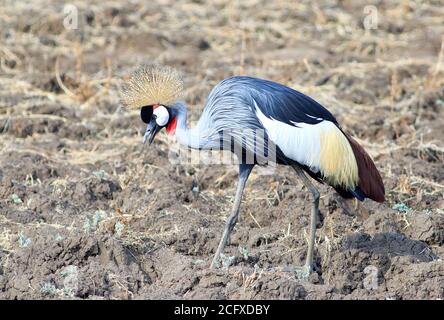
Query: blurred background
[[80, 199]]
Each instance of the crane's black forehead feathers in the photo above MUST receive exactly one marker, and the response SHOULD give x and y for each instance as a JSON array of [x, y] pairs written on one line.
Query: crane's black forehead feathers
[[146, 113]]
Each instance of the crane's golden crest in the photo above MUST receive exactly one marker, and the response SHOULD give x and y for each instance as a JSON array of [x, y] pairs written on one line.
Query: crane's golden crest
[[151, 84]]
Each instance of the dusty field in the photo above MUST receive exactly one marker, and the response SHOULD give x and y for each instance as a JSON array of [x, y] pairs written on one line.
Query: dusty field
[[86, 212]]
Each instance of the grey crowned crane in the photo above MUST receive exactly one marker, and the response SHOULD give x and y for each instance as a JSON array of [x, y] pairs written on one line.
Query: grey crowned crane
[[304, 135]]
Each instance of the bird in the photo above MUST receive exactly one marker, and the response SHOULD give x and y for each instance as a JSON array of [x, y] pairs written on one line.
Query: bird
[[259, 120]]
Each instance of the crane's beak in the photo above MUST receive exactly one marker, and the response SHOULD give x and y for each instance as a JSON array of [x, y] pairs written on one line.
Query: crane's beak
[[151, 130]]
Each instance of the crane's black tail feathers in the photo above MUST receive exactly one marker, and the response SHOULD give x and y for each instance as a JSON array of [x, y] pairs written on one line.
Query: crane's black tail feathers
[[348, 194]]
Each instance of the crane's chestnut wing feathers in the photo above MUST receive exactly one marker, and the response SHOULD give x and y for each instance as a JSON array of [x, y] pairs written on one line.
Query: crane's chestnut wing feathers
[[370, 181]]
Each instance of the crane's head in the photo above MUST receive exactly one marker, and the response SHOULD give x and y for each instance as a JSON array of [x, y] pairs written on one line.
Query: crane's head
[[157, 117], [152, 88]]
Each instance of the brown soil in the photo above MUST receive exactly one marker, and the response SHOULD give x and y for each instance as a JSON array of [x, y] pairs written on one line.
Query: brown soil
[[86, 212]]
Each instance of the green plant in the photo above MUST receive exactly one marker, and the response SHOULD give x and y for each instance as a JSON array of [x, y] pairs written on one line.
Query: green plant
[[91, 223], [16, 199], [68, 271], [402, 207], [23, 241], [227, 261], [118, 228], [99, 174], [49, 288], [243, 251]]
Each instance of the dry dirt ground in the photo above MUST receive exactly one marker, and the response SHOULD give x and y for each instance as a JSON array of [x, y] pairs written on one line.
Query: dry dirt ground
[[87, 213]]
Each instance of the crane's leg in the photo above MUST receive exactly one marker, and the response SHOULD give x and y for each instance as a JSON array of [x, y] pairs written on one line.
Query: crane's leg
[[244, 173], [304, 272]]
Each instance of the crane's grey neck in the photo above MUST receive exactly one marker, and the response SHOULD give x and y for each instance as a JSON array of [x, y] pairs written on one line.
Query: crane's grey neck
[[189, 137]]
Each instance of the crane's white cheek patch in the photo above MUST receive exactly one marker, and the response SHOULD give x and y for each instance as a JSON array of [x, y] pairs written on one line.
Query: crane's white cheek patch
[[162, 115]]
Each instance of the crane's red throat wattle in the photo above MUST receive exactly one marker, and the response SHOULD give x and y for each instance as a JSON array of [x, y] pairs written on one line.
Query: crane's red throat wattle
[[171, 127]]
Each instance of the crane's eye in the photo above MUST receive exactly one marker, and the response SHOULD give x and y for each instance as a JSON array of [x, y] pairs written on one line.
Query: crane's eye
[[146, 113], [162, 116]]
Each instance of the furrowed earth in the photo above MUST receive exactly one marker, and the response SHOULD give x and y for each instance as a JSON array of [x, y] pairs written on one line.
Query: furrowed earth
[[88, 212]]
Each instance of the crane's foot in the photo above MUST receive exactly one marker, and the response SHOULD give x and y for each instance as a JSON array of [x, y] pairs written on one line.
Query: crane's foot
[[302, 273]]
